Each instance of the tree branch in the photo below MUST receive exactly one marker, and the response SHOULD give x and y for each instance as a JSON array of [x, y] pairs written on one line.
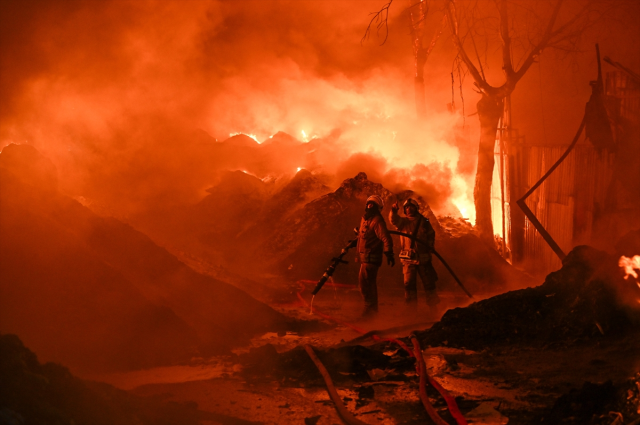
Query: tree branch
[[570, 22], [546, 37], [436, 35], [506, 39], [379, 21], [475, 48], [481, 83]]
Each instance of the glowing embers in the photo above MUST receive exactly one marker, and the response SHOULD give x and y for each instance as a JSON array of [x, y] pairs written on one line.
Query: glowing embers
[[250, 174], [630, 266], [307, 138], [253, 136]]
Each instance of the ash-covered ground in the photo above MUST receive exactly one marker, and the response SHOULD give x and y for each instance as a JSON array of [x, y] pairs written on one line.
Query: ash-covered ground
[[561, 352]]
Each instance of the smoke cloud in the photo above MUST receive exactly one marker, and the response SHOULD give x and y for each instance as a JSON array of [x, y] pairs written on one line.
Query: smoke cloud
[[123, 95], [135, 103]]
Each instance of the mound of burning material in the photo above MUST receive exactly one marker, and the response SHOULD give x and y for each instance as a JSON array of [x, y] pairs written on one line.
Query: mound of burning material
[[304, 242], [248, 208], [587, 299], [94, 293]]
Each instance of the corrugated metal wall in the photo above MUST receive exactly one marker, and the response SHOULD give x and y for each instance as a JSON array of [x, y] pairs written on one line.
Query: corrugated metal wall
[[567, 202], [623, 95], [573, 199]]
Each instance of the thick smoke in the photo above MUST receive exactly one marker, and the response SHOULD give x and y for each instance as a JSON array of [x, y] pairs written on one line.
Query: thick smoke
[[134, 102], [118, 89], [122, 94]]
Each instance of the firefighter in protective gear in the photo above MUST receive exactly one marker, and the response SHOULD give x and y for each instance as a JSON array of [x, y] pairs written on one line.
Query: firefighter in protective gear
[[415, 256], [374, 240]]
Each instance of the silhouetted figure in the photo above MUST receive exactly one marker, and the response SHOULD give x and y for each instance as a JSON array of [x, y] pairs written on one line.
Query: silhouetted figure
[[373, 240], [414, 256]]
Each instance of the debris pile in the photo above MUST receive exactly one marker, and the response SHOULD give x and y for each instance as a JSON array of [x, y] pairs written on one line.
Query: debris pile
[[95, 294], [598, 404], [346, 365], [301, 246], [455, 226], [305, 241], [578, 303]]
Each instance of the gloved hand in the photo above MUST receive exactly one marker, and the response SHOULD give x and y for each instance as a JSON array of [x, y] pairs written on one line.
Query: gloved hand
[[395, 207], [390, 260]]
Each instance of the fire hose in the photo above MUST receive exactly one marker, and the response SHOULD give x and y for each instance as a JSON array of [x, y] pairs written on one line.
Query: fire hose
[[348, 417], [331, 389], [416, 352], [332, 267], [424, 377], [337, 260], [433, 250], [422, 373]]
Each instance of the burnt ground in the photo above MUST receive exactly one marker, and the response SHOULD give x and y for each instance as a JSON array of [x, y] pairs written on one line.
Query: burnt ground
[[523, 384], [564, 352]]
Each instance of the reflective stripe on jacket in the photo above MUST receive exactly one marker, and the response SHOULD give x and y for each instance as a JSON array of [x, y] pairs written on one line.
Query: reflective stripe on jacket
[[425, 233], [373, 240]]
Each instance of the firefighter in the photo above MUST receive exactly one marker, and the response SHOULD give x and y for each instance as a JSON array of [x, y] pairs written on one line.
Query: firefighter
[[374, 240], [414, 256]]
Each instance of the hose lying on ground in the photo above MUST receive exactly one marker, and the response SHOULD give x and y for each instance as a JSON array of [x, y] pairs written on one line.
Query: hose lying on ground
[[349, 325], [422, 371], [451, 402], [346, 416]]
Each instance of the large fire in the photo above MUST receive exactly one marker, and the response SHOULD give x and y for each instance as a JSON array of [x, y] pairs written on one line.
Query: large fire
[[629, 266], [387, 142], [360, 102]]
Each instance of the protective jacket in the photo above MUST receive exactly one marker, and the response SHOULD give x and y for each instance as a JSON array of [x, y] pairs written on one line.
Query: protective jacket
[[373, 240], [425, 233]]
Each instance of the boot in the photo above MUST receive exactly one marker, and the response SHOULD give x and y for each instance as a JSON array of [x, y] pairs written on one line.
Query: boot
[[411, 297], [432, 298], [432, 302], [370, 310], [411, 302]]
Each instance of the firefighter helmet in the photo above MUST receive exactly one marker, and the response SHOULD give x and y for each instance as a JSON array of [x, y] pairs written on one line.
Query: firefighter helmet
[[411, 201], [376, 200]]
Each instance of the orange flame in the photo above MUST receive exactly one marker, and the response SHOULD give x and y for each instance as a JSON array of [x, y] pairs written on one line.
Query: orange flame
[[630, 266], [253, 136]]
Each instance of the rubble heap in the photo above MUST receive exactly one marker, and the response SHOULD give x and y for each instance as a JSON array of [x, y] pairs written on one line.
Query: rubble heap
[[579, 302], [304, 242], [598, 404], [346, 365], [96, 294]]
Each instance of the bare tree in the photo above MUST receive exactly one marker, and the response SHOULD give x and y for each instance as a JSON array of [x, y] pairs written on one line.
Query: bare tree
[[535, 35], [510, 28], [417, 11]]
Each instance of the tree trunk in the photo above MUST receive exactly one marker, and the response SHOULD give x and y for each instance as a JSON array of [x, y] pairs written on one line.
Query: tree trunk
[[418, 14], [490, 109], [421, 106]]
